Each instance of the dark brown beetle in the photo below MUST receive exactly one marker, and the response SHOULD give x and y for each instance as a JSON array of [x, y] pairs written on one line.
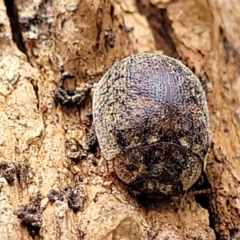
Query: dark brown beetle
[[151, 117]]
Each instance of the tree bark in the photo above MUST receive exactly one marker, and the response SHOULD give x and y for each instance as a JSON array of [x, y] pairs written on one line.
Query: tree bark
[[53, 185]]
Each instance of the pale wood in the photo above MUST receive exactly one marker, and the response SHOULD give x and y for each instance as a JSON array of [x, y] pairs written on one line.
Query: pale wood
[[71, 36]]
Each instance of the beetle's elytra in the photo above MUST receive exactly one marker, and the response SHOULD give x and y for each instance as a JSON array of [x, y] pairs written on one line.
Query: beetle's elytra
[[151, 118]]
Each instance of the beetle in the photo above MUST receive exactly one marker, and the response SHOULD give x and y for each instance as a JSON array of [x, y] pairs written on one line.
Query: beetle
[[151, 118]]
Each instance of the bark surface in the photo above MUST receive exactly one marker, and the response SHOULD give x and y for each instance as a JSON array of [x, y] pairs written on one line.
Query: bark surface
[[53, 184]]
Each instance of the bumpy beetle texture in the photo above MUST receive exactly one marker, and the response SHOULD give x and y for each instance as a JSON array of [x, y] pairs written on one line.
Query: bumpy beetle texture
[[151, 117]]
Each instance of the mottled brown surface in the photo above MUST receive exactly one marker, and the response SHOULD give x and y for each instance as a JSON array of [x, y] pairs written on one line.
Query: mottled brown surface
[[150, 115], [84, 38]]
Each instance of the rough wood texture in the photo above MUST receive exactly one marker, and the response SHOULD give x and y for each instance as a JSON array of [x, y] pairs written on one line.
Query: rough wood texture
[[38, 137]]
